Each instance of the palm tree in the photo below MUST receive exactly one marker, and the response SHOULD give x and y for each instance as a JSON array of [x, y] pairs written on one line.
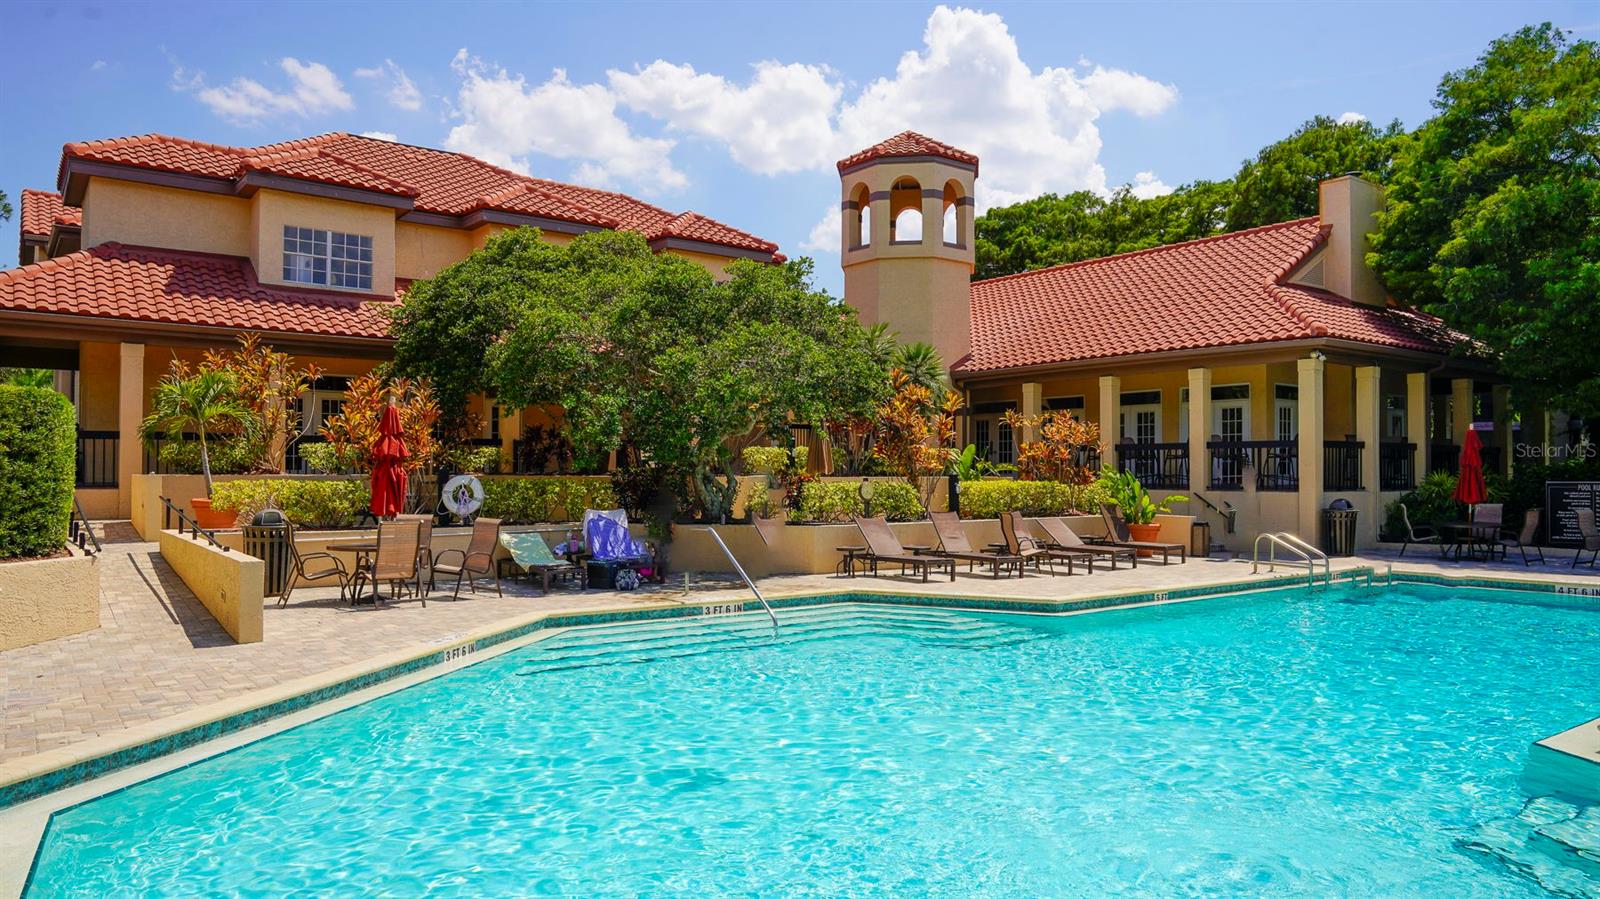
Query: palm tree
[[206, 402], [921, 365], [880, 345]]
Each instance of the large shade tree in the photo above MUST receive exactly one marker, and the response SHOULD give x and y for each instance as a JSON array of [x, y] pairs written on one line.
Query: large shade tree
[[641, 348], [1493, 217]]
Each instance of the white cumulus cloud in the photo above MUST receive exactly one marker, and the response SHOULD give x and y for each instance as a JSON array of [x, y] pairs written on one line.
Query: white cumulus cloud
[[402, 93], [382, 135], [1350, 118], [825, 234], [504, 120], [1146, 185], [312, 89]]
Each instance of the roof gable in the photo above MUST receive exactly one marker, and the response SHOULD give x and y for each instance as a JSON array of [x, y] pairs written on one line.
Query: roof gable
[[42, 210]]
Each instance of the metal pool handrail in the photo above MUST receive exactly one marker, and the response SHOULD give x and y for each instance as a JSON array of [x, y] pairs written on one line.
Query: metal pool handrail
[[1308, 555], [740, 568]]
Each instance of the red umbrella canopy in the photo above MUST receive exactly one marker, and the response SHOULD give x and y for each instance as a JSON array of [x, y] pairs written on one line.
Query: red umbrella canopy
[[388, 468], [1469, 483]]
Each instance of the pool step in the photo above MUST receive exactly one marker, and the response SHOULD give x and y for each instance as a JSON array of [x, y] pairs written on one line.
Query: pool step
[[1554, 843], [586, 647]]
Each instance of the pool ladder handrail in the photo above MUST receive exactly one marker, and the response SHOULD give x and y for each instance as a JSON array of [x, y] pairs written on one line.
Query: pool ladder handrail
[[1308, 555], [740, 568]]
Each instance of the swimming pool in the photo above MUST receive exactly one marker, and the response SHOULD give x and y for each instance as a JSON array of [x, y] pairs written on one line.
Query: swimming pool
[[1349, 741]]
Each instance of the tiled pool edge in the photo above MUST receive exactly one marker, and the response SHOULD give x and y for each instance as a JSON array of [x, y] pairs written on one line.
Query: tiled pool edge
[[24, 782]]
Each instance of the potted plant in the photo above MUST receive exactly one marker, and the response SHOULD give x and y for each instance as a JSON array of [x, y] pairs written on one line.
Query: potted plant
[[1136, 506], [206, 403]]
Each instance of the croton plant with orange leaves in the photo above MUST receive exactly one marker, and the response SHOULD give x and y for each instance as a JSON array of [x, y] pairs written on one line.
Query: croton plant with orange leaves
[[353, 431], [915, 435], [1061, 450]]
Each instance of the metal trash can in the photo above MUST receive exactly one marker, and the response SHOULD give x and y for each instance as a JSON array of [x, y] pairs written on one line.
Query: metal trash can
[[267, 538], [1200, 539], [1339, 529]]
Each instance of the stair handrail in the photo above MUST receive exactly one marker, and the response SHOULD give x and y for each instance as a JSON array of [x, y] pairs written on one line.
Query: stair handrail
[[1308, 555], [740, 568], [186, 523], [79, 530]]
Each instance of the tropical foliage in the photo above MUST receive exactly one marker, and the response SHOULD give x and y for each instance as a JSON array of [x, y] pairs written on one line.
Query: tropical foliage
[[353, 430], [205, 403], [987, 499], [837, 501], [1063, 450], [524, 500], [1132, 500], [38, 462], [916, 434]]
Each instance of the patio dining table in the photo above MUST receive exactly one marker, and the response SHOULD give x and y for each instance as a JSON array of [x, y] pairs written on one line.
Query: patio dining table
[[1461, 534], [363, 550]]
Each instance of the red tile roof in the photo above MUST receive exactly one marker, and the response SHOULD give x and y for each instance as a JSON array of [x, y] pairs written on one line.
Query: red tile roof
[[42, 210], [439, 182], [1220, 291], [908, 143], [165, 286]]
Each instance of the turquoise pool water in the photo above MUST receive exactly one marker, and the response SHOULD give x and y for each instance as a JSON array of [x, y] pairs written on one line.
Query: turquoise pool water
[[1343, 743]]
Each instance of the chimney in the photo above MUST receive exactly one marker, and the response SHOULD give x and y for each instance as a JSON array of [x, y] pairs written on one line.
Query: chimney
[[1347, 206]]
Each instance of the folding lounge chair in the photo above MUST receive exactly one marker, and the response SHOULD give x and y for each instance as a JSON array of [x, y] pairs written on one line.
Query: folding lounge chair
[[1021, 542], [474, 562], [953, 544], [883, 546], [1117, 531], [1061, 536], [532, 554]]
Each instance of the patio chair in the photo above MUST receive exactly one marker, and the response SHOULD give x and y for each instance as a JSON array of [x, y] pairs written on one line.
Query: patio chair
[[884, 546], [424, 544], [394, 563], [953, 544], [299, 569], [1591, 538], [1060, 535], [1428, 535], [1117, 531], [1522, 540], [1020, 541], [476, 561], [532, 554]]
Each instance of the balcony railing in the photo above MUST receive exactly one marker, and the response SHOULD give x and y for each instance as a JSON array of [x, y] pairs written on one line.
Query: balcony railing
[[1158, 466], [97, 458], [1275, 464], [1397, 466], [153, 463], [1444, 457], [1341, 464]]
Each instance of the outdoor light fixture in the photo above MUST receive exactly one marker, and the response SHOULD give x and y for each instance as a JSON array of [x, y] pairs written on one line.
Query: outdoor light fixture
[[866, 490], [1317, 355]]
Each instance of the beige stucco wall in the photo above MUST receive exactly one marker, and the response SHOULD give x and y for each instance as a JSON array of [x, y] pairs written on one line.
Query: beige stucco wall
[[98, 367], [271, 210], [422, 251], [145, 215], [43, 599], [228, 584]]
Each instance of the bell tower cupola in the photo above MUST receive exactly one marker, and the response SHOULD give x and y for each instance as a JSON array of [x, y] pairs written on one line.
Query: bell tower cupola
[[907, 239]]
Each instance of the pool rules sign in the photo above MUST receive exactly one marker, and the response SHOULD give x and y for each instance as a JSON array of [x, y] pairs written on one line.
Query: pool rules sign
[[1562, 500]]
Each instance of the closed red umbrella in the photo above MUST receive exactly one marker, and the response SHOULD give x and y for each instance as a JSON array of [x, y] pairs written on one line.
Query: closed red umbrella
[[388, 466], [1469, 482]]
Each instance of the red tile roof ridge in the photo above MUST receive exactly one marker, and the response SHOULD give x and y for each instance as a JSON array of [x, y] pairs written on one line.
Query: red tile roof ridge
[[81, 147], [42, 210], [267, 160], [906, 143], [1084, 263]]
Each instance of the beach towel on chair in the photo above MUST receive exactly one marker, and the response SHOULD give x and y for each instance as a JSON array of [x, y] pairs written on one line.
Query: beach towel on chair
[[607, 536]]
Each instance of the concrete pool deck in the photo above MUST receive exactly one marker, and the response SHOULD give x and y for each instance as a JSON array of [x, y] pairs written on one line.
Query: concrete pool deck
[[160, 665]]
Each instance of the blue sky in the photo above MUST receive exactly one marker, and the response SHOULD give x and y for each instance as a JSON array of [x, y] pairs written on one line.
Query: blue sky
[[737, 110]]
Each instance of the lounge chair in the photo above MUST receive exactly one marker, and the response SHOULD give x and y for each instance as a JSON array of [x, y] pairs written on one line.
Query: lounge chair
[[1021, 542], [532, 554], [953, 544], [1061, 536], [300, 571], [1427, 536], [394, 563], [1522, 540], [1591, 538], [1118, 534], [476, 561], [883, 546]]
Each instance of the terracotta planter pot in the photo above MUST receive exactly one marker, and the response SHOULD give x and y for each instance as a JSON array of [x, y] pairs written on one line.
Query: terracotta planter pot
[[212, 519], [1145, 533]]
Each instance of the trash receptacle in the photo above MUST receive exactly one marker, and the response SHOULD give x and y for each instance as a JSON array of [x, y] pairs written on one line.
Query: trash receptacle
[[1200, 539], [1339, 529], [266, 538]]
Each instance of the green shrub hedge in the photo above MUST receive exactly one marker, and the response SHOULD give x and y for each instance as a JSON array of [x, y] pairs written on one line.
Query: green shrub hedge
[[38, 468], [533, 499], [836, 501], [987, 499], [319, 503]]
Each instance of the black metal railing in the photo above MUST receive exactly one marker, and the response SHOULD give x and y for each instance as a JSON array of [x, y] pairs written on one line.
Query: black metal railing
[[79, 531], [1275, 464], [154, 464], [293, 461], [1491, 457], [1444, 457], [186, 525], [1397, 465], [97, 458], [1158, 466], [1341, 464]]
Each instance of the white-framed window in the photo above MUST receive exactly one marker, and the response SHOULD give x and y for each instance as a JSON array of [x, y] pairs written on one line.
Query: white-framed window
[[1285, 411], [1141, 416], [327, 258], [1394, 416]]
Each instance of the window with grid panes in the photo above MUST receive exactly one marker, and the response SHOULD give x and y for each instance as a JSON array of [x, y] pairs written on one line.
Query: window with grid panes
[[327, 258]]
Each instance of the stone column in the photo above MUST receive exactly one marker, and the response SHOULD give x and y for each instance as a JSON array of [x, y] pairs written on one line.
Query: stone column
[[1199, 428], [932, 218], [1369, 430], [1500, 406], [1110, 419], [1417, 421], [130, 412], [878, 201], [1310, 446], [1032, 403], [1460, 410]]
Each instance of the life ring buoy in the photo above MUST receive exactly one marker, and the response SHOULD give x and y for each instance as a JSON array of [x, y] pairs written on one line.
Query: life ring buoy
[[462, 495]]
